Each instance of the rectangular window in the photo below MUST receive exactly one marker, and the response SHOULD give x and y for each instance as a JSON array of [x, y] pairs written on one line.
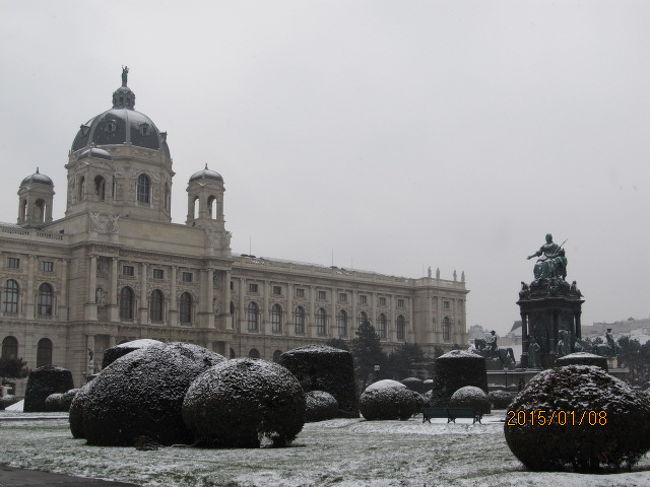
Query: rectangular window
[[13, 262], [158, 274], [277, 290], [187, 277], [232, 285], [382, 301], [300, 292], [363, 299], [47, 266], [400, 303], [343, 298], [322, 295], [252, 287], [127, 270], [445, 304]]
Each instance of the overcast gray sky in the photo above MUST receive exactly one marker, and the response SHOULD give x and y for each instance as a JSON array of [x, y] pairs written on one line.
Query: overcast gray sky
[[400, 134]]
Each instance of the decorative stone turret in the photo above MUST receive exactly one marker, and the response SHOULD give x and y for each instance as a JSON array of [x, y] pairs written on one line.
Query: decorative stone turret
[[36, 194]]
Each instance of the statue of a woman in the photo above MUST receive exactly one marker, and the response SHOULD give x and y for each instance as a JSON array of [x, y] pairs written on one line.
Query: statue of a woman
[[125, 74], [552, 261]]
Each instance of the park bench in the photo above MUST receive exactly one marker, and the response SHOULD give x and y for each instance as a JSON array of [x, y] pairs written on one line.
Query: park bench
[[451, 414]]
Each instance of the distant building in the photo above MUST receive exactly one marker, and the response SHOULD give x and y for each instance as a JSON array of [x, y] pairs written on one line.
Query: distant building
[[115, 268]]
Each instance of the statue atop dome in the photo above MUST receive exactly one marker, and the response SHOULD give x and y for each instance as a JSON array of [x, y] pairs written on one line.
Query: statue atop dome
[[125, 75]]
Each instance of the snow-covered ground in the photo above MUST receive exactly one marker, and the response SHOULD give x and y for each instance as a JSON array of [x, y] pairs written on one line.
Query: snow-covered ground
[[341, 452]]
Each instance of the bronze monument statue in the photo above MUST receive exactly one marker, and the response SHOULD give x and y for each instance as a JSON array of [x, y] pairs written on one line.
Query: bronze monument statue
[[552, 261]]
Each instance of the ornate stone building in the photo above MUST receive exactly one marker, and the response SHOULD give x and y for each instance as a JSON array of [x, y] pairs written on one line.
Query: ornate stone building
[[116, 268]]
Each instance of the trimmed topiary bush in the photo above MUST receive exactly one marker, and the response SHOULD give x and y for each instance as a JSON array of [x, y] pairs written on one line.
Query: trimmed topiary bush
[[320, 405], [141, 394], [75, 418], [427, 384], [388, 399], [501, 399], [42, 382], [322, 368], [582, 358], [66, 399], [113, 353], [470, 397], [615, 431], [454, 370], [244, 403], [53, 402]]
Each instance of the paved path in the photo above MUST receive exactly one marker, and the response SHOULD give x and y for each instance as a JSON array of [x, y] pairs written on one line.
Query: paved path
[[15, 477]]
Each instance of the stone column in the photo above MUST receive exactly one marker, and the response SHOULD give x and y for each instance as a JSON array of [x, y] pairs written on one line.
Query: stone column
[[353, 322], [332, 332], [62, 313], [524, 339], [264, 312], [242, 307], [114, 309], [311, 314], [227, 299], [91, 305], [209, 320], [29, 291], [289, 315], [173, 310], [143, 311]]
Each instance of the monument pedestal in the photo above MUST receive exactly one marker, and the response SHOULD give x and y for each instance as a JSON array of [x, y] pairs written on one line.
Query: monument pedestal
[[550, 317]]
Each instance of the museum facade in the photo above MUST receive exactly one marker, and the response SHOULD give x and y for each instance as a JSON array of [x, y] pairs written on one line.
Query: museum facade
[[116, 268]]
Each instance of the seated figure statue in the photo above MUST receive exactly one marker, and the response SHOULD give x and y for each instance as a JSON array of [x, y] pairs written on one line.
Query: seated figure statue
[[552, 261]]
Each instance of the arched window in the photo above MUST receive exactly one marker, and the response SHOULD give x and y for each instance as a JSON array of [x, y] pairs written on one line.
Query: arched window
[[232, 308], [23, 210], [100, 188], [363, 317], [232, 353], [401, 327], [254, 353], [127, 303], [44, 352], [39, 208], [276, 355], [186, 308], [144, 187], [342, 323], [253, 316], [381, 325], [10, 297], [276, 318], [195, 207], [212, 207], [82, 184], [321, 322], [156, 306], [446, 329], [9, 348], [299, 320], [45, 298]]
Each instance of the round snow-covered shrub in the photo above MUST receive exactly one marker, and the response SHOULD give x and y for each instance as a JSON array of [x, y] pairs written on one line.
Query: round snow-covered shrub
[[454, 370], [53, 402], [75, 418], [113, 353], [582, 358], [615, 431], [245, 403], [42, 382], [320, 405], [388, 399], [501, 399], [141, 394], [470, 397], [323, 368], [427, 384], [414, 384], [66, 399]]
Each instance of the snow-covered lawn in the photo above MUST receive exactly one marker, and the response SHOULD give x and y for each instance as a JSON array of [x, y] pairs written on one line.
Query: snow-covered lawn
[[341, 452]]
